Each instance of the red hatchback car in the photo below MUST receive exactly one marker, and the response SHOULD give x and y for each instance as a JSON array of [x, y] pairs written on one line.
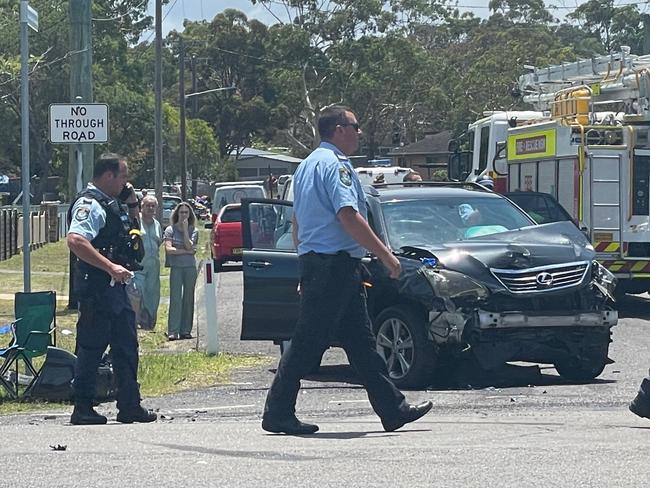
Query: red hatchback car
[[226, 235]]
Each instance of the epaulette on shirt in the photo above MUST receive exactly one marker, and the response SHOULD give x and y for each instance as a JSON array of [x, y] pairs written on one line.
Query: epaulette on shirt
[[342, 157]]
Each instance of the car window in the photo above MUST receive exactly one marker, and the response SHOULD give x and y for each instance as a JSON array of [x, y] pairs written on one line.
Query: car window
[[224, 196], [231, 215], [437, 221], [542, 208], [270, 226]]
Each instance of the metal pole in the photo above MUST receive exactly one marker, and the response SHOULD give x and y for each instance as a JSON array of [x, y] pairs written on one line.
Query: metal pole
[[194, 111], [181, 95], [158, 153], [24, 128]]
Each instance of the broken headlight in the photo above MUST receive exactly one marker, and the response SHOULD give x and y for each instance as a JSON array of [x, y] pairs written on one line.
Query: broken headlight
[[604, 279], [451, 284]]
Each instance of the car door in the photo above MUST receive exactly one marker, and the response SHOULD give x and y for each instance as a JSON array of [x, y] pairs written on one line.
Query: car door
[[270, 267]]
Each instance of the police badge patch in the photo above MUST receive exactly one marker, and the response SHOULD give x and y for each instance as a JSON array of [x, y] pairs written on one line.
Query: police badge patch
[[345, 177], [82, 213]]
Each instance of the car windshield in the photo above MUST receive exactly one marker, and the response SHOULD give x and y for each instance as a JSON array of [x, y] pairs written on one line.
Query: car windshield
[[443, 220]]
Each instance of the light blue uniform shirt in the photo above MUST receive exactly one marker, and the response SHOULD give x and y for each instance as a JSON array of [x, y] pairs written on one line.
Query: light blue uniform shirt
[[88, 216], [324, 183]]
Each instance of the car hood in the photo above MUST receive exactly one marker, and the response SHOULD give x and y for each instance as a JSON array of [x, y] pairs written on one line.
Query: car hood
[[528, 247]]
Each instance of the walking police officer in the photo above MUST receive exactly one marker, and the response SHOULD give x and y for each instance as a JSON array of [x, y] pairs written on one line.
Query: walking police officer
[[331, 235], [99, 237]]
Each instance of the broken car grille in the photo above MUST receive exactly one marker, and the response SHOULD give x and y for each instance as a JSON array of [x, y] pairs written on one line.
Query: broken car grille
[[543, 278]]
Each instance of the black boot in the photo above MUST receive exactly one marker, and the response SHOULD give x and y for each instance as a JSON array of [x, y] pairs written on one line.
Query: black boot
[[84, 414], [136, 414]]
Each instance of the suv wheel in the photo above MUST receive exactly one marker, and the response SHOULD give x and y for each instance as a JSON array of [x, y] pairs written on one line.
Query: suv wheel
[[582, 368], [403, 343], [218, 265]]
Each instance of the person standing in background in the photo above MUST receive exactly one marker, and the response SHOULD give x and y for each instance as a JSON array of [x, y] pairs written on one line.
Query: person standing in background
[[145, 293], [181, 239]]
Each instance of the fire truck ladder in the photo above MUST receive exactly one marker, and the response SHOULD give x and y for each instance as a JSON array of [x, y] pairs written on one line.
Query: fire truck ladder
[[615, 78]]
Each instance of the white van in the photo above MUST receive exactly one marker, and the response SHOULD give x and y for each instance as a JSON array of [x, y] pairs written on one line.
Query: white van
[[223, 195]]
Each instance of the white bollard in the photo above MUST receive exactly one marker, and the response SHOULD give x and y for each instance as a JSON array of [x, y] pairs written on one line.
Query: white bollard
[[211, 309]]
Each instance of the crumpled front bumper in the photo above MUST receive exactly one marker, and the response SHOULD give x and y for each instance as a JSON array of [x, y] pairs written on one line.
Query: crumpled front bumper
[[510, 320]]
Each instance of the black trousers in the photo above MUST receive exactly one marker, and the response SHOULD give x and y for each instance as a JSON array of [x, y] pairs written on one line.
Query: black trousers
[[107, 319], [332, 305]]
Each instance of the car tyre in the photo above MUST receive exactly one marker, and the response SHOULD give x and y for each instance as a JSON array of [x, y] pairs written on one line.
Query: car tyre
[[582, 368], [403, 342], [218, 265]]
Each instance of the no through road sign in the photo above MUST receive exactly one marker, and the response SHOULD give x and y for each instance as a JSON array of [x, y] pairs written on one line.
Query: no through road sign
[[78, 123]]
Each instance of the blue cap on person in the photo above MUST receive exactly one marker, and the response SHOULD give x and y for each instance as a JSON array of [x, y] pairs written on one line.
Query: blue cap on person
[[486, 181]]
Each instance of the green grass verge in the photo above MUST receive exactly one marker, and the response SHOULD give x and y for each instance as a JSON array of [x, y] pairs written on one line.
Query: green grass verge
[[159, 372]]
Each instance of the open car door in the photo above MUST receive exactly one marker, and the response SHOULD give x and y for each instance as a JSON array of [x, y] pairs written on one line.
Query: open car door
[[270, 266]]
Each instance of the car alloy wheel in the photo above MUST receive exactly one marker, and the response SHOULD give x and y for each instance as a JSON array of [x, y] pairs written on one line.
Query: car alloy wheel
[[403, 343], [395, 345]]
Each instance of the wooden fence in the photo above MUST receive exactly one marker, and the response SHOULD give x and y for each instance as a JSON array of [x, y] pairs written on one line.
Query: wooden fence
[[47, 223]]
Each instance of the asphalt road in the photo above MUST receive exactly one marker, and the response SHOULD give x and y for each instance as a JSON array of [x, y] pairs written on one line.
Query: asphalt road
[[533, 430]]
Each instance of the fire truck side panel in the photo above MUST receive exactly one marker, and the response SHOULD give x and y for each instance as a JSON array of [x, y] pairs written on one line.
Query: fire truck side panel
[[567, 186]]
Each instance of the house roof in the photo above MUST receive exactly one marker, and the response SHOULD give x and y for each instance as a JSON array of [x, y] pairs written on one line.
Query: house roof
[[430, 144]]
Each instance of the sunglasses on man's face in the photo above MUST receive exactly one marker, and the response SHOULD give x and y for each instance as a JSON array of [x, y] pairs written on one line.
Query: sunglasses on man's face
[[355, 126]]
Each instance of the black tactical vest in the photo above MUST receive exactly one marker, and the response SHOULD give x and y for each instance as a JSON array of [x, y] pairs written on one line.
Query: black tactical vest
[[110, 242]]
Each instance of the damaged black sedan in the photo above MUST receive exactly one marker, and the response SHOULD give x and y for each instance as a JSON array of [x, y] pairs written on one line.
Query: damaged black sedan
[[480, 279]]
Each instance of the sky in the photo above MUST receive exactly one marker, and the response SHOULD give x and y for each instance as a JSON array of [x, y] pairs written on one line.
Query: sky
[[177, 10]]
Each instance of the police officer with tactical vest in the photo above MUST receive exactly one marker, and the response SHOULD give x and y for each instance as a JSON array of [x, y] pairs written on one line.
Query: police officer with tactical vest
[[107, 253], [331, 235]]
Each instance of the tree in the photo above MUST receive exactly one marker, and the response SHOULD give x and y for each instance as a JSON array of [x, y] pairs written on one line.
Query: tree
[[234, 55], [615, 26]]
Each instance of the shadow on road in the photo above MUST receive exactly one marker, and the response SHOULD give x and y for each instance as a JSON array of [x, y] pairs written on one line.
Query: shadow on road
[[465, 378], [634, 307]]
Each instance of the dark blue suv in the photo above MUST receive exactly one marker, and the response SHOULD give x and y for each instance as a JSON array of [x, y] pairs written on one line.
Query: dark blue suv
[[479, 278]]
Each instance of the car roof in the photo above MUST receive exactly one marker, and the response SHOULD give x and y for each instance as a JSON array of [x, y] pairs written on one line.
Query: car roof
[[419, 190]]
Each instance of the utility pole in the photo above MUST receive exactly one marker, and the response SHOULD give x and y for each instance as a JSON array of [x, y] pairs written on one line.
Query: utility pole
[[646, 33], [158, 154], [81, 156], [194, 113], [181, 96]]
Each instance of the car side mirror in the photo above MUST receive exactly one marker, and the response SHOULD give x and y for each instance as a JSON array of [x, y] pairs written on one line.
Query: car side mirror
[[208, 225]]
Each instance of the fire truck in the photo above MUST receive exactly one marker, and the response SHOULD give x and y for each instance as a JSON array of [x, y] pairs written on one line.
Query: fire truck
[[587, 143]]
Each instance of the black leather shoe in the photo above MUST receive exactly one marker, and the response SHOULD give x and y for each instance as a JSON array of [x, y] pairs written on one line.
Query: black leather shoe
[[411, 414], [138, 414], [172, 337], [641, 406], [86, 415], [186, 336], [291, 426]]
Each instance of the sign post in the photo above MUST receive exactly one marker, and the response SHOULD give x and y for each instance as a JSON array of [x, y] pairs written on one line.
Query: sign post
[[28, 19]]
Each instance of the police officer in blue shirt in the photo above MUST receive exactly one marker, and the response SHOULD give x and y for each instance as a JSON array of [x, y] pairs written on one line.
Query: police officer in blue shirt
[[99, 238], [331, 234]]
